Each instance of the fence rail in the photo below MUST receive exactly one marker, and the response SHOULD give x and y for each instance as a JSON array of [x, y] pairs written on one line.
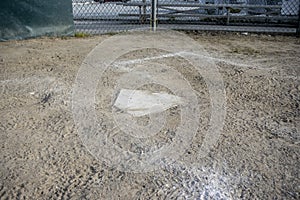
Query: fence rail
[[232, 15]]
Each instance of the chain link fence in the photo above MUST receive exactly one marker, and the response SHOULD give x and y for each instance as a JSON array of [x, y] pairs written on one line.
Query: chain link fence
[[104, 16]]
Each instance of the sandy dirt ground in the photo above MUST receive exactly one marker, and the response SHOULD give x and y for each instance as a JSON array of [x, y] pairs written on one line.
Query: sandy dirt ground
[[256, 156]]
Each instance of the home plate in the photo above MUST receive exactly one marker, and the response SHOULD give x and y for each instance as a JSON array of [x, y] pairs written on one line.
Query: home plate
[[142, 102]]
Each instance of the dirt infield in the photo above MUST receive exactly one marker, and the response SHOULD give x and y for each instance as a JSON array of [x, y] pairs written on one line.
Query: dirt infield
[[256, 156]]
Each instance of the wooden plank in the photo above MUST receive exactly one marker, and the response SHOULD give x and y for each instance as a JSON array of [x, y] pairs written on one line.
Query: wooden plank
[[221, 5], [215, 16], [254, 29], [231, 16], [204, 5]]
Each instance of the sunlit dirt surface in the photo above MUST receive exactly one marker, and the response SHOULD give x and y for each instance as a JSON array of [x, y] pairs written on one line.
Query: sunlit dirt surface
[[256, 157]]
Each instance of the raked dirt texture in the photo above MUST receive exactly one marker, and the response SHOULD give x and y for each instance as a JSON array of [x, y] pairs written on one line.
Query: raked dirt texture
[[256, 155]]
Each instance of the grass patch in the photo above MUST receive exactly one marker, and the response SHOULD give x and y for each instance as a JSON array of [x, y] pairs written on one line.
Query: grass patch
[[81, 35]]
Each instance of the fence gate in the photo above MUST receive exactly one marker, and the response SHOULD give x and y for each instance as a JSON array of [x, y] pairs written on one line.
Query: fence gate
[[105, 16]]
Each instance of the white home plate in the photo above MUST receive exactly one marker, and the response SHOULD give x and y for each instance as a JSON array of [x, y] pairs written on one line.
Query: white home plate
[[142, 102]]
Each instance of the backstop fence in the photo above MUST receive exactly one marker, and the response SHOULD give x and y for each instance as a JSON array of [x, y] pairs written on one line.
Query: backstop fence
[[104, 16]]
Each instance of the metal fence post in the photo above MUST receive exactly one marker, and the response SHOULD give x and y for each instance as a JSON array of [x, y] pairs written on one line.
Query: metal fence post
[[153, 14], [144, 11], [298, 28]]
